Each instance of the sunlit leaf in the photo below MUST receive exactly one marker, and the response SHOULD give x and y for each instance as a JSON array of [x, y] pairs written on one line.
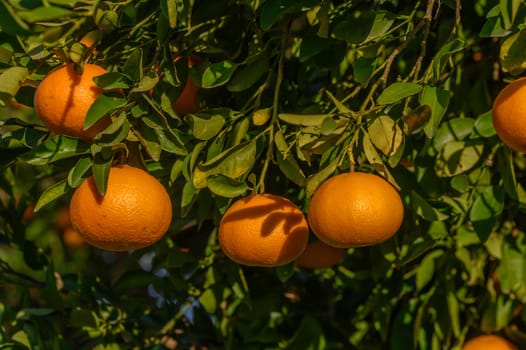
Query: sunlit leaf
[[398, 91]]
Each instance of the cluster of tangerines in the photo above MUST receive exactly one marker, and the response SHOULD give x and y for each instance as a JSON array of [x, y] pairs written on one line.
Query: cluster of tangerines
[[348, 210]]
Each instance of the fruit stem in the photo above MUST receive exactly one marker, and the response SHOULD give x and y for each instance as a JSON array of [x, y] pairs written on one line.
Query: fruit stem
[[274, 117]]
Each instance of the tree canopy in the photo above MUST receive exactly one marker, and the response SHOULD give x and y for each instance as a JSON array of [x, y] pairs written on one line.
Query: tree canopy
[[290, 93]]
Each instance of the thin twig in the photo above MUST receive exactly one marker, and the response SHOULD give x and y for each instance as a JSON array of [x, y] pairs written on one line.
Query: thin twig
[[408, 39], [423, 44], [274, 119]]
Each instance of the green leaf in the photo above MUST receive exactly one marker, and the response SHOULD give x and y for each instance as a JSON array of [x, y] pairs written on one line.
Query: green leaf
[[9, 21], [457, 157], [205, 125], [149, 139], [484, 125], [233, 163], [11, 80], [508, 11], [308, 336], [51, 193], [21, 338], [103, 105], [367, 27], [512, 272], [22, 137], [363, 67], [443, 54], [290, 168], [386, 135], [425, 210], [55, 149], [147, 82], [133, 66], [398, 91], [456, 129], [511, 53], [426, 269], [494, 27], [498, 314], [27, 312], [303, 119], [314, 181], [101, 169], [76, 174], [226, 187], [454, 312], [244, 78], [188, 197], [170, 141], [112, 80], [438, 100], [44, 13], [169, 9], [273, 9], [486, 209], [208, 300], [217, 74]]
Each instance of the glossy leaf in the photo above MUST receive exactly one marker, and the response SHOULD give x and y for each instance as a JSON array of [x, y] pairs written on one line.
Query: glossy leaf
[[486, 208], [367, 27], [55, 149], [101, 107], [425, 210], [52, 193], [510, 53], [398, 91], [457, 157], [386, 135], [453, 130], [218, 74], [226, 187], [438, 100], [11, 79], [205, 126], [233, 163], [247, 76], [77, 172]]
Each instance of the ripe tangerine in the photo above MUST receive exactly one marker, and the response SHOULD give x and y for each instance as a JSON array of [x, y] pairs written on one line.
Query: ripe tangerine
[[263, 230], [355, 209], [135, 211], [489, 342], [63, 98], [509, 115]]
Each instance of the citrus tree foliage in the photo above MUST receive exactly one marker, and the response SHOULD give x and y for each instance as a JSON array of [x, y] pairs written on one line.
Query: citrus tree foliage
[[292, 92]]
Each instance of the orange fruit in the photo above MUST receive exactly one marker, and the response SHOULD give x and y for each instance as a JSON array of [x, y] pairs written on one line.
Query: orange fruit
[[509, 115], [489, 342], [355, 209], [63, 98], [135, 211], [29, 212], [319, 255], [187, 102], [88, 41], [263, 230], [62, 219], [72, 238]]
